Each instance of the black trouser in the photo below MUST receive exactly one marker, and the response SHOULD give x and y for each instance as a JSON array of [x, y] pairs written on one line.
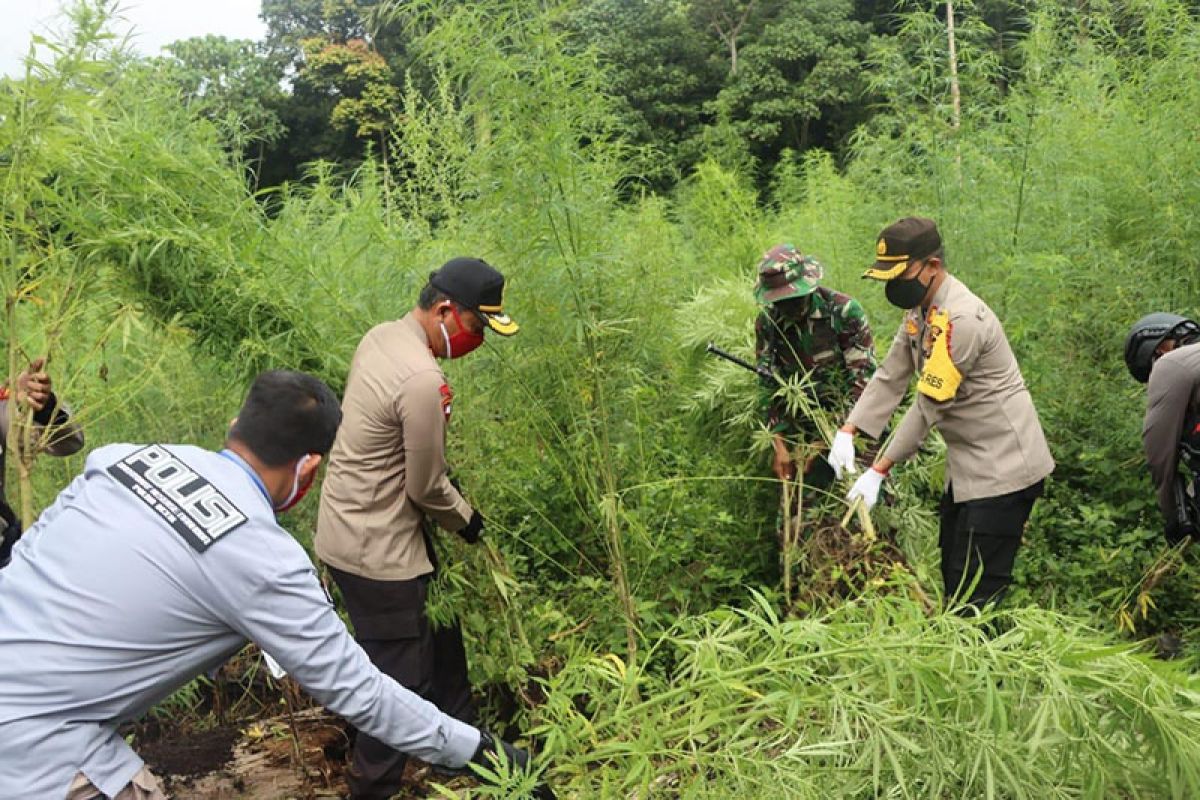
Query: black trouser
[[979, 541], [390, 623]]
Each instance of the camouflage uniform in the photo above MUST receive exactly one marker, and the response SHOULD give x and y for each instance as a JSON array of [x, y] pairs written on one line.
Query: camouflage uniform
[[804, 327], [826, 335]]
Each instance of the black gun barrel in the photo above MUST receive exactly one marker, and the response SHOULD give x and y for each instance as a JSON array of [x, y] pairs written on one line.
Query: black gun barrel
[[762, 372]]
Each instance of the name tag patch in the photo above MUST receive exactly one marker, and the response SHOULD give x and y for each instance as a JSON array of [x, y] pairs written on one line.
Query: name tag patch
[[184, 499], [939, 378]]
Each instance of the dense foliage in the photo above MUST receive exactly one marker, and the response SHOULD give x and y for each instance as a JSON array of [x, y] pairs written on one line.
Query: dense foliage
[[631, 559]]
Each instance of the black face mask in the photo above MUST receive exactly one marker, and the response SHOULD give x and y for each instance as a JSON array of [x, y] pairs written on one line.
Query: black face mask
[[906, 292], [793, 306]]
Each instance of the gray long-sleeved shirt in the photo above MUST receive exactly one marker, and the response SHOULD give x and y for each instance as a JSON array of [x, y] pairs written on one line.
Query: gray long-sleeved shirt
[[154, 565], [1172, 397]]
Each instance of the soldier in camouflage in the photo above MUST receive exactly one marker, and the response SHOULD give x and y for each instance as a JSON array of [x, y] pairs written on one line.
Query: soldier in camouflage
[[806, 327]]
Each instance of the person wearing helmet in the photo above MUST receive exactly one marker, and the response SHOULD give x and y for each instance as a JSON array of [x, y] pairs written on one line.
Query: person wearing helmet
[[968, 386], [1163, 351], [804, 327]]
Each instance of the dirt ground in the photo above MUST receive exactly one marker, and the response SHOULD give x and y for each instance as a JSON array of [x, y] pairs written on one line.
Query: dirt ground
[[259, 761]]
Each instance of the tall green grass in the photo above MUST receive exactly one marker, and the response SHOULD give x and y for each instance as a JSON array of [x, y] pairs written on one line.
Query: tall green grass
[[875, 699], [622, 475]]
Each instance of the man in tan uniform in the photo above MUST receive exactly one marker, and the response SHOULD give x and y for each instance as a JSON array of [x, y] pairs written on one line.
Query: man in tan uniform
[[970, 387], [387, 475], [1163, 351]]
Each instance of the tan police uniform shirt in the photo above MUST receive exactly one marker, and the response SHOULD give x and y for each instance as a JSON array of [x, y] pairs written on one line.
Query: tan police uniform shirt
[[1172, 400], [387, 469], [969, 386]]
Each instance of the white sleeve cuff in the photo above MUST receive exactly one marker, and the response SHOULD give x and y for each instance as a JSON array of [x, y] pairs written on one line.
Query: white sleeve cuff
[[462, 740]]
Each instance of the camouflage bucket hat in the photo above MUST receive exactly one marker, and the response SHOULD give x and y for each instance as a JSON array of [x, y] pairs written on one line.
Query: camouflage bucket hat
[[785, 273]]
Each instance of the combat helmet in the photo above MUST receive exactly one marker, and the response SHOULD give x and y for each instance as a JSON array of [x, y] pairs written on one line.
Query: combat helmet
[[1148, 333]]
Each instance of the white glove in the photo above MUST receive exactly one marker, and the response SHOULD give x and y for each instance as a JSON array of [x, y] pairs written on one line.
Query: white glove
[[867, 487], [841, 454], [277, 672]]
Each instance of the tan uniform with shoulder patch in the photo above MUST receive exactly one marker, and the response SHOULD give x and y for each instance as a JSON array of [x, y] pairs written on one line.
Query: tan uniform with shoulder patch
[[969, 386], [387, 469]]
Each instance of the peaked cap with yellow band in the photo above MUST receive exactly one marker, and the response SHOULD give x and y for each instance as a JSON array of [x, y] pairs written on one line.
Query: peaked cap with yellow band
[[477, 285], [909, 239]]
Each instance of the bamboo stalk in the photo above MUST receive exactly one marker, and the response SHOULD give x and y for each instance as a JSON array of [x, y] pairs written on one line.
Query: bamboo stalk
[[613, 529], [11, 445], [500, 564], [289, 689], [955, 96], [785, 544], [20, 423]]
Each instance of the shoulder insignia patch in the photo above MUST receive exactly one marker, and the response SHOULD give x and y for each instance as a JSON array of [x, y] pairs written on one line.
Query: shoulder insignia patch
[[939, 377], [447, 400], [180, 496]]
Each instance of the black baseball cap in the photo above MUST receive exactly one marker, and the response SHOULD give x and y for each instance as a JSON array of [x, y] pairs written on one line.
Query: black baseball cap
[[477, 285], [905, 240]]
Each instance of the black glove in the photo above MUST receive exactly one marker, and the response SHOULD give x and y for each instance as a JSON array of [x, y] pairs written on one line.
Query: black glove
[[10, 532], [1177, 530], [488, 745], [473, 529], [518, 757], [51, 413], [1184, 522]]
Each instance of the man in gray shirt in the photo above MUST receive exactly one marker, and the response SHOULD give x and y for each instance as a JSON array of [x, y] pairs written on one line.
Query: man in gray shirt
[[1163, 351], [158, 563]]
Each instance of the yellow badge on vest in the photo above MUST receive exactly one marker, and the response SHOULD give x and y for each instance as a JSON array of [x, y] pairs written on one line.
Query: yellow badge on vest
[[939, 378]]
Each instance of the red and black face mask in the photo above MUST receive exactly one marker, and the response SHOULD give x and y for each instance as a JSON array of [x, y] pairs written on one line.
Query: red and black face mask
[[298, 491], [463, 341]]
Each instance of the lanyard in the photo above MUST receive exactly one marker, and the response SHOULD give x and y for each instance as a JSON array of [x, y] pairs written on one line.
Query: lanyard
[[241, 462]]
